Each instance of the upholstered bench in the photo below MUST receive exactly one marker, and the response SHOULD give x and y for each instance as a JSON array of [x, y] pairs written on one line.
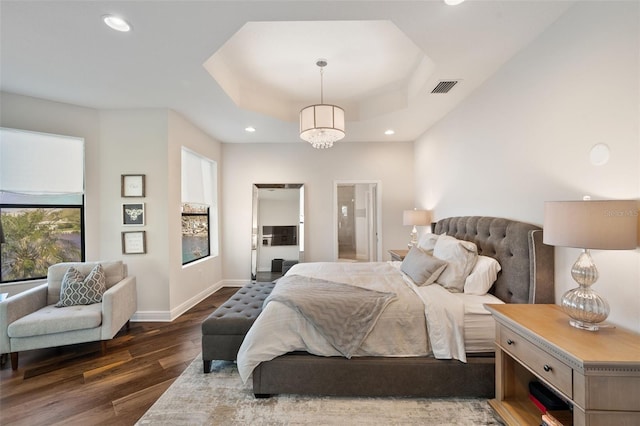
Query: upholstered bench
[[223, 331]]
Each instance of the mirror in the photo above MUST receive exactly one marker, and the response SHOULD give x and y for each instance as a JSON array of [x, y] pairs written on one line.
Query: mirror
[[277, 236]]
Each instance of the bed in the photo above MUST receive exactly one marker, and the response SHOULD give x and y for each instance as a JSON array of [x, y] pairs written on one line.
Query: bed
[[526, 276]]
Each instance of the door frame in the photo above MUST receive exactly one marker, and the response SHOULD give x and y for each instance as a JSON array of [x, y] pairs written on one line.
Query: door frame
[[377, 231]]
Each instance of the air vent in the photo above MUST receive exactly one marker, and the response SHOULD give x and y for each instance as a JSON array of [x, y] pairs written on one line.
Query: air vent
[[444, 86]]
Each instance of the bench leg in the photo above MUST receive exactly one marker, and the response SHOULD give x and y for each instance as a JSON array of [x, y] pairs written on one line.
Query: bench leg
[[262, 395], [207, 364], [14, 360]]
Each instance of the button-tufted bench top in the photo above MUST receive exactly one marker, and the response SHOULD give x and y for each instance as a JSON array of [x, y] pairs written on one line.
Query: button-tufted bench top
[[223, 331], [238, 313]]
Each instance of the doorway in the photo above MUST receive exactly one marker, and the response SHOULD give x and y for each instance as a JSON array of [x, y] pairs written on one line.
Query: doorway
[[357, 221]]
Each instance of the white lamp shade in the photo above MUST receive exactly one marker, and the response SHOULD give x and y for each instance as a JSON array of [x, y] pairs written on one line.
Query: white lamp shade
[[415, 217], [600, 224], [322, 123]]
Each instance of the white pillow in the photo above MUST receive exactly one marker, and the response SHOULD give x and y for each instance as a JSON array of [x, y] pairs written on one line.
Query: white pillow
[[482, 276], [460, 256], [421, 267], [427, 242]]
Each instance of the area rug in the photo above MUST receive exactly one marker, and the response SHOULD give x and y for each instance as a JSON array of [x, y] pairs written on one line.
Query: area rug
[[220, 398]]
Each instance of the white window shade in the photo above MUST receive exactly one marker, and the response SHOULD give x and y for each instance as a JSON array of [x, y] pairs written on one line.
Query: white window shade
[[40, 164], [198, 179]]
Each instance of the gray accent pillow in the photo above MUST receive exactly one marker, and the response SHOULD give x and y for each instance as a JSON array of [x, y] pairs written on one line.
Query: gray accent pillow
[[76, 289], [421, 267]]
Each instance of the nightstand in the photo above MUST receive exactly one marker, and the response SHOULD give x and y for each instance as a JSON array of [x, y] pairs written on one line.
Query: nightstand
[[598, 373], [398, 255]]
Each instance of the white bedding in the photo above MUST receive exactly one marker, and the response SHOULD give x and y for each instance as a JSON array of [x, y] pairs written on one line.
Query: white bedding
[[479, 325], [401, 330]]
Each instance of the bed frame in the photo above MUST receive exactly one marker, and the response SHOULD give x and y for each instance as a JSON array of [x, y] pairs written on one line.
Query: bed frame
[[527, 277]]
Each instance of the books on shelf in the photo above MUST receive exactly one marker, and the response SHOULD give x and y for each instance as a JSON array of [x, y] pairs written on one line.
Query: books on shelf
[[555, 411], [537, 403], [548, 400]]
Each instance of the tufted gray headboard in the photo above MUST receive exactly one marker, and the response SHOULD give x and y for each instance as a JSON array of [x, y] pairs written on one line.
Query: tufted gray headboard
[[527, 264]]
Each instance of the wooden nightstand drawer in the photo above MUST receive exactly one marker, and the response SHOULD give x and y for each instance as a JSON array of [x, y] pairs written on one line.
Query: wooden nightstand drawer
[[544, 365]]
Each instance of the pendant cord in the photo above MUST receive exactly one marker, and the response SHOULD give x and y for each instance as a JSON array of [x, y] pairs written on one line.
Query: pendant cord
[[321, 86]]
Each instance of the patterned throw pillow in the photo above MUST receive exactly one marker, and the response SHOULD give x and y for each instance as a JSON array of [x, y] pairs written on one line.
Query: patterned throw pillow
[[78, 290]]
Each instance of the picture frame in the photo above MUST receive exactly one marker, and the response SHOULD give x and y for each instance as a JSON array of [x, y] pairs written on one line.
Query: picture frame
[[133, 214], [132, 185], [134, 242]]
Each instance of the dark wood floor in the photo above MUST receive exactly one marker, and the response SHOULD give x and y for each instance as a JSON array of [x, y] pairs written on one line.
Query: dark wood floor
[[76, 385]]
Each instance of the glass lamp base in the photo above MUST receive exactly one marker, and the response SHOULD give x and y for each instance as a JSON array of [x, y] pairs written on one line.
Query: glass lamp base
[[585, 325], [414, 238], [585, 307]]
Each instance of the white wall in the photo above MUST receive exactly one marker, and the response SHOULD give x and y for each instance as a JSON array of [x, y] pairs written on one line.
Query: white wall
[[149, 141], [27, 113], [246, 164], [190, 283], [135, 142], [130, 142], [524, 138]]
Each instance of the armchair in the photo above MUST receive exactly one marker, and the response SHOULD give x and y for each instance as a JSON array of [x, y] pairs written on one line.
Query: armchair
[[29, 320]]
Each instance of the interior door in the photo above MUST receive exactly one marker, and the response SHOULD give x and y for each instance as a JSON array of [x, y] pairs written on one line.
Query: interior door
[[346, 223], [356, 221]]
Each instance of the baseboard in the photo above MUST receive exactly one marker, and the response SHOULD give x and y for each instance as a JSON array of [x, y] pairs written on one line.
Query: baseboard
[[168, 316], [151, 316], [235, 283]]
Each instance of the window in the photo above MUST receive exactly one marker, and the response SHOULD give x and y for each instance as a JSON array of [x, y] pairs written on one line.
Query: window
[[38, 237], [195, 232], [199, 207], [41, 203]]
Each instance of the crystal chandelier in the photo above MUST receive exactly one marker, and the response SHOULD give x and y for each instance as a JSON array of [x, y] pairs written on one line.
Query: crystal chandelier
[[321, 125]]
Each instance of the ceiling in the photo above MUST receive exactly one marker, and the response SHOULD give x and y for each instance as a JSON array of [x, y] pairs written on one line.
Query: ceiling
[[227, 65]]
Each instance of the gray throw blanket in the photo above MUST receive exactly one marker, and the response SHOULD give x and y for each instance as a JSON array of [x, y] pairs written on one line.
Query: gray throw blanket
[[344, 314]]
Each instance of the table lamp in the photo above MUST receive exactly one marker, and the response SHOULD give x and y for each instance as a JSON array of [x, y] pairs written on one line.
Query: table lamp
[[603, 225], [415, 218]]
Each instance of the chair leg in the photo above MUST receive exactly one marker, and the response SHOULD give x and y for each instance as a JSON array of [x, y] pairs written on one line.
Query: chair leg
[[103, 347], [128, 325], [14, 360]]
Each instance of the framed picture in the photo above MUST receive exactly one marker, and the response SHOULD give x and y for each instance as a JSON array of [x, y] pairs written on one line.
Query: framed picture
[[132, 185], [134, 242], [133, 214]]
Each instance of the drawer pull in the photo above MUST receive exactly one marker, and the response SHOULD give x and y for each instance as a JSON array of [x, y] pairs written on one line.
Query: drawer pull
[[510, 342], [547, 368]]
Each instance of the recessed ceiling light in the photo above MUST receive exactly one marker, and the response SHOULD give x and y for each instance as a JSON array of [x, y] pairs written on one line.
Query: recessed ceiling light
[[250, 129], [389, 132], [116, 23], [453, 2]]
